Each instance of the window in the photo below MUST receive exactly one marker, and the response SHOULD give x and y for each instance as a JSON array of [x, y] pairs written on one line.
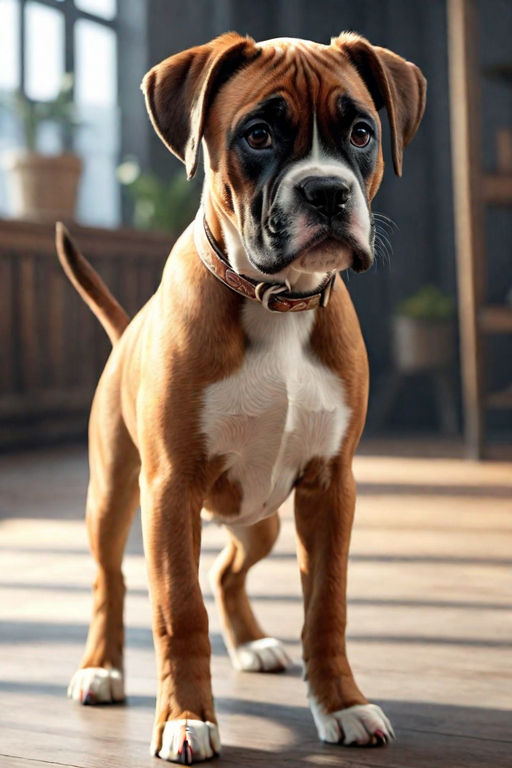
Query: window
[[40, 40], [9, 44]]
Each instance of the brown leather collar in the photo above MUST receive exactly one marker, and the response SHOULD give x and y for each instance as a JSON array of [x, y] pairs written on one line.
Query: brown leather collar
[[274, 296]]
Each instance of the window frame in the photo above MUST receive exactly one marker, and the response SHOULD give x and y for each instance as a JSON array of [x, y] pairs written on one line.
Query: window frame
[[71, 15]]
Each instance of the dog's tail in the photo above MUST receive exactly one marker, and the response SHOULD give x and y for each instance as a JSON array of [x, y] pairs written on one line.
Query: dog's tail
[[89, 285]]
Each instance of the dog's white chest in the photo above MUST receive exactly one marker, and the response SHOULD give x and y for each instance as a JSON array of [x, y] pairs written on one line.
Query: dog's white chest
[[280, 410]]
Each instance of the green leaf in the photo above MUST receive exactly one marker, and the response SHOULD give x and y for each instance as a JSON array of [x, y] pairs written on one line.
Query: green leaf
[[160, 205]]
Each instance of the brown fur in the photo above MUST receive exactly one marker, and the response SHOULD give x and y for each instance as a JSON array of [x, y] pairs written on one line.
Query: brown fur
[[145, 421]]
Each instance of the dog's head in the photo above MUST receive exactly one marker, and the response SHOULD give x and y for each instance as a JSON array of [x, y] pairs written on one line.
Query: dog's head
[[292, 142]]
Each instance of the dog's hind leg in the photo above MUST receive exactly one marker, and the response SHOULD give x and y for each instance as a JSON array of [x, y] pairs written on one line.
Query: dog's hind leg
[[250, 649], [112, 498]]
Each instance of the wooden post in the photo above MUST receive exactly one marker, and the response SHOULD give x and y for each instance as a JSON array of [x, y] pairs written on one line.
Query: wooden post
[[468, 207]]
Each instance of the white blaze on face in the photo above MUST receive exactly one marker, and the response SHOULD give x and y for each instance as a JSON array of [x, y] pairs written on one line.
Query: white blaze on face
[[318, 163]]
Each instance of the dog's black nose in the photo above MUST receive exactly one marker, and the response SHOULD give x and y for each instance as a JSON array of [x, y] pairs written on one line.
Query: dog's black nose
[[328, 194]]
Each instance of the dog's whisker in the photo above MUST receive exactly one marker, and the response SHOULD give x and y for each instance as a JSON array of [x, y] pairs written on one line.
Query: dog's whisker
[[383, 238], [383, 219], [383, 247], [381, 230]]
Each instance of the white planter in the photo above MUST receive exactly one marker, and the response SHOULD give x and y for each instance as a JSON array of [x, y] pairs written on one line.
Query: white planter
[[420, 345], [42, 187]]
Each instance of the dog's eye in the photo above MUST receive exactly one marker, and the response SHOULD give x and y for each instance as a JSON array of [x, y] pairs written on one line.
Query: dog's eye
[[360, 135], [259, 137]]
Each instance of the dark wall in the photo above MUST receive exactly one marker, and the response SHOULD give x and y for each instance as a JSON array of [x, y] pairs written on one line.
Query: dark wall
[[421, 201]]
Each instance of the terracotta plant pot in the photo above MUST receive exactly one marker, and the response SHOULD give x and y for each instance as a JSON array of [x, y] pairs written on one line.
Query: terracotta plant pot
[[421, 344], [43, 187]]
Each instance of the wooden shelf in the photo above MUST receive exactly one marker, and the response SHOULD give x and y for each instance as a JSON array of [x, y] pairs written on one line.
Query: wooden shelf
[[501, 400], [497, 188], [496, 318], [473, 191]]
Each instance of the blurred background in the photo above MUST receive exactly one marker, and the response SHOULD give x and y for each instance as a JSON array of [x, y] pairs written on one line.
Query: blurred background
[[76, 144]]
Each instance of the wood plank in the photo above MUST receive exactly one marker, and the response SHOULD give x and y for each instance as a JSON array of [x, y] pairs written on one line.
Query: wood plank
[[469, 233], [28, 328], [54, 428], [57, 325], [147, 280], [41, 311], [501, 400], [44, 401], [497, 188], [128, 286], [496, 318], [6, 325]]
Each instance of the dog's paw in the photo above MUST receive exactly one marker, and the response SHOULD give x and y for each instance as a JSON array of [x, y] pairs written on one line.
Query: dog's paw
[[96, 685], [363, 724], [188, 741], [264, 655]]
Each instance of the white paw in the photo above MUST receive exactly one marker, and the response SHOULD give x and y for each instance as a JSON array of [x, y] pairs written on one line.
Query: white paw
[[363, 724], [264, 655], [188, 741], [96, 685]]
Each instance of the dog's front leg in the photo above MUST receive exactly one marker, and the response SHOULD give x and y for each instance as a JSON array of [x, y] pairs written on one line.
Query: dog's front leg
[[324, 515], [185, 728]]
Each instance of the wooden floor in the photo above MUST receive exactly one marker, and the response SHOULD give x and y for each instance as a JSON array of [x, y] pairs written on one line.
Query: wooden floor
[[430, 623]]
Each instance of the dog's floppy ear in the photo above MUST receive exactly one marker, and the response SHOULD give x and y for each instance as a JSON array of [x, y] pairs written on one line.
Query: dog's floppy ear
[[179, 90], [394, 83]]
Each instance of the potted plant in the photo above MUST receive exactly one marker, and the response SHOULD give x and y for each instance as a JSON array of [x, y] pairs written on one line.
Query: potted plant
[[166, 206], [423, 331], [44, 187]]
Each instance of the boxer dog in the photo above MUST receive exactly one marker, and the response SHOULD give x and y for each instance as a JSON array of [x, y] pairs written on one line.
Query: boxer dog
[[245, 376]]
